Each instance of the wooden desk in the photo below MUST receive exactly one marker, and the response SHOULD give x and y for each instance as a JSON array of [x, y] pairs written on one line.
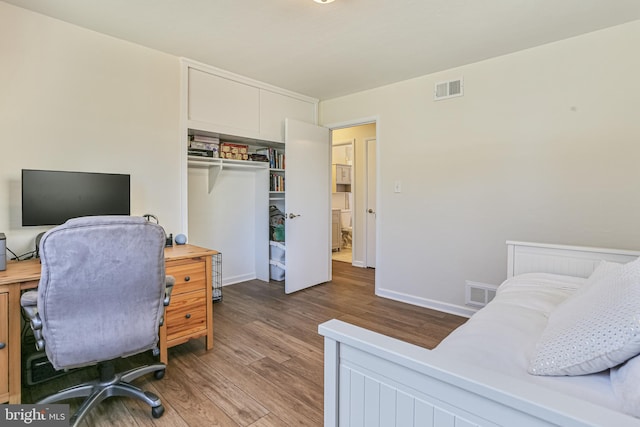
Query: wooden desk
[[190, 314]]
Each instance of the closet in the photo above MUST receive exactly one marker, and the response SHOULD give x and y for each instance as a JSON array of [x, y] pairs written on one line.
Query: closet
[[226, 202]]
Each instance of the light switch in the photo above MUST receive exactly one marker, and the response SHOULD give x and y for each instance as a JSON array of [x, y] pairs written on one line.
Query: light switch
[[397, 187]]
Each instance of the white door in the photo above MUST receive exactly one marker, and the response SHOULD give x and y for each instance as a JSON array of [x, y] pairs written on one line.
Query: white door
[[370, 257], [307, 205]]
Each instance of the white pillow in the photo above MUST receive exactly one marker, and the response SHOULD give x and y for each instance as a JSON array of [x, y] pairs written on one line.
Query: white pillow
[[603, 269], [624, 381], [594, 329]]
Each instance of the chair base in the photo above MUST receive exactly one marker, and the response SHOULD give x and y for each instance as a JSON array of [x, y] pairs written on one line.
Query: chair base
[[110, 384]]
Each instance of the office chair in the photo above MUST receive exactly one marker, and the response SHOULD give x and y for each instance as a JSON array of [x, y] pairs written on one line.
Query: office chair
[[101, 297]]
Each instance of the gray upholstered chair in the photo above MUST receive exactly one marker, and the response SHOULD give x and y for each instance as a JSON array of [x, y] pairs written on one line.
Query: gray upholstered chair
[[101, 297]]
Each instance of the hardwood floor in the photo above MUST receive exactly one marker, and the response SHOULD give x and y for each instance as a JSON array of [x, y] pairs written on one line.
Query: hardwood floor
[[266, 367]]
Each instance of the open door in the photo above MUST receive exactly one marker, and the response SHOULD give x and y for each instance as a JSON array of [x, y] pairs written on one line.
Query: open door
[[370, 254], [307, 205]]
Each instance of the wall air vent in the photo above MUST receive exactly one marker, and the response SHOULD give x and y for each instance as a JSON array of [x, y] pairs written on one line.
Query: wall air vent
[[479, 294], [448, 89]]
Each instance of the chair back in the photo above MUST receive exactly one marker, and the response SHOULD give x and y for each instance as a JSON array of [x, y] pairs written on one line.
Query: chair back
[[101, 290]]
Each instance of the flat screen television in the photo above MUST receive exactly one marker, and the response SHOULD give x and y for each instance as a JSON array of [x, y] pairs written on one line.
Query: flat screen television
[[53, 197]]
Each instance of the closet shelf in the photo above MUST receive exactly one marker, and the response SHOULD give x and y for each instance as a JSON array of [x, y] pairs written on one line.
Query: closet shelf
[[206, 162], [276, 195], [215, 165]]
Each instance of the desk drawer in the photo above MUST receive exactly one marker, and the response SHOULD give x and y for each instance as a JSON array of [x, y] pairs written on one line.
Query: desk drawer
[[190, 275], [186, 315]]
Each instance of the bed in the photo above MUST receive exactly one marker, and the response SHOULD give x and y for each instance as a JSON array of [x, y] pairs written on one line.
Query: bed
[[478, 375]]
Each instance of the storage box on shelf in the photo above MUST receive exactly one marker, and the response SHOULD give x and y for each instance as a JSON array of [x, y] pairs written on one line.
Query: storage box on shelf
[[277, 266], [277, 251], [204, 146], [233, 151], [276, 271]]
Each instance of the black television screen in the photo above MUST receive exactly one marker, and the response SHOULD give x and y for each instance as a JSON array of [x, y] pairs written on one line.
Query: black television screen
[[52, 197]]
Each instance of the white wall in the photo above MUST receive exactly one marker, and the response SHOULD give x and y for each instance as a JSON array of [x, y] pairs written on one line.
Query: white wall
[[232, 229], [543, 146], [73, 99]]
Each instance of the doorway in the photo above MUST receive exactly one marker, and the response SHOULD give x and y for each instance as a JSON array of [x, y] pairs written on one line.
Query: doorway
[[370, 202], [354, 226]]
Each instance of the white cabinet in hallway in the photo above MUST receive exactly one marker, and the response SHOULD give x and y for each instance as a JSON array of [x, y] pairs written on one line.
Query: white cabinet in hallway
[[341, 178]]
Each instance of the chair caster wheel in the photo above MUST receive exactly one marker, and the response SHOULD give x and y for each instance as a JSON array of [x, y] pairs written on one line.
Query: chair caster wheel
[[159, 374], [157, 411]]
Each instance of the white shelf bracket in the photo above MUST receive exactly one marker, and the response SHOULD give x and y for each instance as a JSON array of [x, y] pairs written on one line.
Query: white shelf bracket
[[214, 171]]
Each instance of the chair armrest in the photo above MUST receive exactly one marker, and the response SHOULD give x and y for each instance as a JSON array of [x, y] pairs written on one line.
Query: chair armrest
[[169, 281], [168, 288], [29, 303]]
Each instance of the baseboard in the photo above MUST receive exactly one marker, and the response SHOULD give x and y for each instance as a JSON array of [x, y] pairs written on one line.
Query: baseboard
[[458, 310], [237, 279], [359, 264]]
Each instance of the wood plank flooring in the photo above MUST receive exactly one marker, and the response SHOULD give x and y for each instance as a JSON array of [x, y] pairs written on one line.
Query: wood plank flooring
[[266, 367]]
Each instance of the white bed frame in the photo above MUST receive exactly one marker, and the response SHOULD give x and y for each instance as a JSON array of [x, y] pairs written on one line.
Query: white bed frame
[[372, 380]]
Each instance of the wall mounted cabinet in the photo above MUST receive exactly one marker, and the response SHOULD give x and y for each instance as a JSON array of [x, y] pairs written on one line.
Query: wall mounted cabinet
[[341, 178], [222, 102], [275, 107]]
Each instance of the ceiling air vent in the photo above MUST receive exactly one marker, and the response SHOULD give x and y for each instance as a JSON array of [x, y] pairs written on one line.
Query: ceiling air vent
[[448, 89]]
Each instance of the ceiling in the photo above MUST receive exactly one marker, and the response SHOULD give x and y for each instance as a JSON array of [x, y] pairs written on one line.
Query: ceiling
[[330, 50]]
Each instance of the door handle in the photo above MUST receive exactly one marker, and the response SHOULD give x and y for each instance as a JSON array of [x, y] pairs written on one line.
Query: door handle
[[371, 211], [292, 215]]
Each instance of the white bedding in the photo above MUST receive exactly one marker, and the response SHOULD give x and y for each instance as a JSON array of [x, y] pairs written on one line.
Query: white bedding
[[503, 335]]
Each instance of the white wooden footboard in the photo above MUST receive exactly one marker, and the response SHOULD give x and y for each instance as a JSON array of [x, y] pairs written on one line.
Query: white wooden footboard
[[373, 380]]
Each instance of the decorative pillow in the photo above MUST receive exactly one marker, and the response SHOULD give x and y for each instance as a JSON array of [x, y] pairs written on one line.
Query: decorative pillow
[[595, 329], [601, 271], [624, 380]]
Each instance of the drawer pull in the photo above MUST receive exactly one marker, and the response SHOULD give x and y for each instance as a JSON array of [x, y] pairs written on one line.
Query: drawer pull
[[188, 316], [2, 345], [187, 278]]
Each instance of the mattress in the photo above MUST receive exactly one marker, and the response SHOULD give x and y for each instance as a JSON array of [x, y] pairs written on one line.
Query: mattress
[[502, 336]]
